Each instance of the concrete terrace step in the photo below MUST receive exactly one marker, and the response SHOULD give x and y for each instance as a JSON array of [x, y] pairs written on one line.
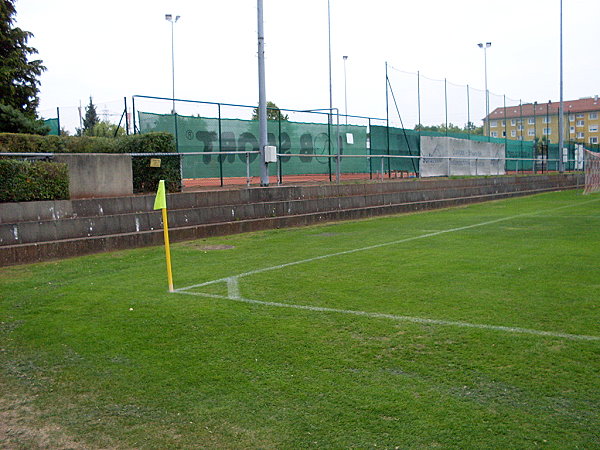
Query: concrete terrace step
[[94, 207], [118, 223], [42, 251], [110, 224]]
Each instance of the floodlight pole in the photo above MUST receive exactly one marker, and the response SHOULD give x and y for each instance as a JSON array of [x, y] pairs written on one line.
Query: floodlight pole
[[330, 76], [169, 18], [485, 46], [561, 136], [262, 98], [345, 90]]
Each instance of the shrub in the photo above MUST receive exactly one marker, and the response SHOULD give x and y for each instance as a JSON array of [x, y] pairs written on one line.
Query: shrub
[[14, 121], [27, 181], [145, 178]]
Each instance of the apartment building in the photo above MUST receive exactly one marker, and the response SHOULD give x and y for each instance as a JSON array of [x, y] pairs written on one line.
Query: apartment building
[[531, 120]]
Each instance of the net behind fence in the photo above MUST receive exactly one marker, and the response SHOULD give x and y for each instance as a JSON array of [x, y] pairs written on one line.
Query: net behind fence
[[53, 125], [309, 145], [592, 172]]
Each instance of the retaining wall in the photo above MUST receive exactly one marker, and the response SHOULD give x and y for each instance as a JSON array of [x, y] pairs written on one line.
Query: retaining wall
[[38, 231], [98, 174]]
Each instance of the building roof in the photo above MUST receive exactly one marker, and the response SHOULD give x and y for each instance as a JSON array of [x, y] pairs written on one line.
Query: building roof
[[551, 108]]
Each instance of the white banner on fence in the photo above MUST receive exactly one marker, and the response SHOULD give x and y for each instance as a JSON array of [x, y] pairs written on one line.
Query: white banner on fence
[[445, 156]]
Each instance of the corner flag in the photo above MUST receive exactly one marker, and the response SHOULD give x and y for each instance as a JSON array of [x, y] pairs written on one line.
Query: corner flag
[[160, 202]]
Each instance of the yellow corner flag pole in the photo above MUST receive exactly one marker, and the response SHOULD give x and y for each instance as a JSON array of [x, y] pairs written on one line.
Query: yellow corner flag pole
[[160, 202]]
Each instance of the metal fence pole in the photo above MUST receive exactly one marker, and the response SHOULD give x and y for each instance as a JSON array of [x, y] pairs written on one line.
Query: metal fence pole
[[279, 174], [220, 147], [370, 151], [468, 114], [247, 169], [58, 119], [337, 156], [446, 103], [133, 111]]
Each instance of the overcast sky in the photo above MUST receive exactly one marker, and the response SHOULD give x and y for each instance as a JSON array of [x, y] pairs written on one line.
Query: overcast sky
[[114, 49]]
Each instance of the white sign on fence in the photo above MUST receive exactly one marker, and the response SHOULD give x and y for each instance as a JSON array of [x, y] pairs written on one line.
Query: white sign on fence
[[445, 156]]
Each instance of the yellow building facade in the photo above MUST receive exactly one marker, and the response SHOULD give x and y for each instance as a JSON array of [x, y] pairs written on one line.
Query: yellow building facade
[[528, 121]]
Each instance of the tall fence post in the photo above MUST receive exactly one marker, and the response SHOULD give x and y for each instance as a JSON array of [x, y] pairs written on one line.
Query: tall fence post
[[126, 116], [329, 145], [370, 149], [58, 119], [337, 156], [133, 112], [505, 125], [522, 129], [220, 146], [446, 103], [468, 114], [247, 169], [279, 162]]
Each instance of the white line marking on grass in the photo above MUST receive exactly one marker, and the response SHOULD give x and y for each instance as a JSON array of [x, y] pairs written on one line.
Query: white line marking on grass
[[384, 244], [233, 288]]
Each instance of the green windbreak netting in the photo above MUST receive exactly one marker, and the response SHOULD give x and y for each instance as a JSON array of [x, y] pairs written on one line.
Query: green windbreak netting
[[310, 140], [53, 124], [399, 142]]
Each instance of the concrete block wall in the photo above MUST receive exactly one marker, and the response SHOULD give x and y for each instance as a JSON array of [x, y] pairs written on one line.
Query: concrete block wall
[[37, 231]]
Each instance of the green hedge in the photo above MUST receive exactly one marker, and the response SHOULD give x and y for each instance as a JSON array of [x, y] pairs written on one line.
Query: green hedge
[[22, 181], [145, 178]]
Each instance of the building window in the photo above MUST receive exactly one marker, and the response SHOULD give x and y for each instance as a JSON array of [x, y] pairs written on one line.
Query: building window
[[571, 130], [580, 135], [494, 134], [580, 123], [503, 133], [513, 133], [593, 116], [580, 116], [571, 118], [504, 123], [547, 131], [513, 122], [520, 127], [593, 128], [594, 140], [547, 119], [493, 124], [531, 121], [531, 132]]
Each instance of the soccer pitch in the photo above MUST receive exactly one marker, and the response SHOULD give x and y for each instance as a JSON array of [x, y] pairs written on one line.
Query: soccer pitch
[[472, 327]]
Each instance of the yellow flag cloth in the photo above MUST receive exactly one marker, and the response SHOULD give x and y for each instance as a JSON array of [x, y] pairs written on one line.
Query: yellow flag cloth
[[160, 202]]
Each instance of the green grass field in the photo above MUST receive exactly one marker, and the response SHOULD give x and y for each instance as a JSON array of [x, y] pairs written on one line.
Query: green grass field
[[474, 327]]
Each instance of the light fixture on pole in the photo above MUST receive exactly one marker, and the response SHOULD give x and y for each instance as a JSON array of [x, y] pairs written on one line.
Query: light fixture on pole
[[485, 46], [345, 90], [169, 18]]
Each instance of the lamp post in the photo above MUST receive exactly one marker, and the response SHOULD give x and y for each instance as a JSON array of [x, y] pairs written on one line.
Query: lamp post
[[345, 90], [485, 46], [169, 18], [262, 97], [329, 37], [561, 131]]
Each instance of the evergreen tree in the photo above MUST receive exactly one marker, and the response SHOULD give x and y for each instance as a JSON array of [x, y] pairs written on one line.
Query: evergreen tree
[[273, 113], [91, 118], [18, 76]]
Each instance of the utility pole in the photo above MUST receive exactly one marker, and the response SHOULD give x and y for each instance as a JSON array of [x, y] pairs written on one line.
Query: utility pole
[[262, 98]]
